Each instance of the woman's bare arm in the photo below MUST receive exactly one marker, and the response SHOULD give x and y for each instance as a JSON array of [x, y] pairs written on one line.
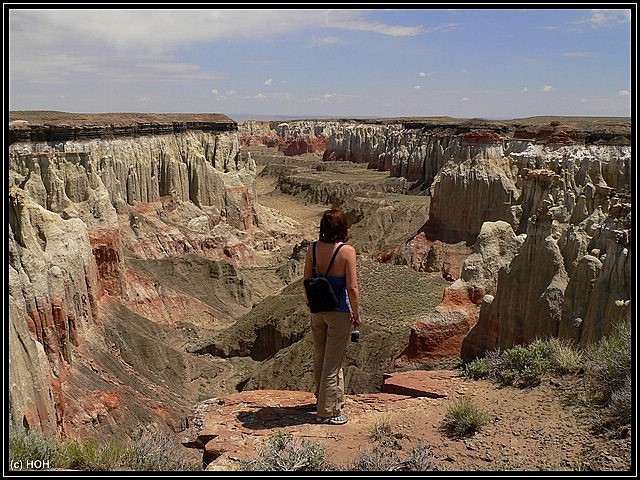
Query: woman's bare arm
[[352, 283], [308, 270]]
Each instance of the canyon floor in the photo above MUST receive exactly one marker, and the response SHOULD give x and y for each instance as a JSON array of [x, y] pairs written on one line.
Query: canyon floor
[[540, 429]]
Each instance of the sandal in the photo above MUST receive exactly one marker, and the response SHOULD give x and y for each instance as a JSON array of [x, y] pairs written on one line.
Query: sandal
[[339, 420]]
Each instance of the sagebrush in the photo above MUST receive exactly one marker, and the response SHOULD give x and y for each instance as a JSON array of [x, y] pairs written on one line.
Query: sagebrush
[[605, 367], [284, 453], [150, 449], [608, 377], [464, 418]]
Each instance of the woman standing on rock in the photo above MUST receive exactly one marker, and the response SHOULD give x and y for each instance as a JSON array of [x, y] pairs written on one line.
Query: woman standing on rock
[[331, 330]]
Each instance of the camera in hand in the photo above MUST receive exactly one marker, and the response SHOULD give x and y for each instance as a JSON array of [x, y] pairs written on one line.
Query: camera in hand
[[355, 335]]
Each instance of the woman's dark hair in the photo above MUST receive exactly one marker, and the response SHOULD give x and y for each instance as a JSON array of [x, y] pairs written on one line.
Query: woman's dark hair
[[333, 226]]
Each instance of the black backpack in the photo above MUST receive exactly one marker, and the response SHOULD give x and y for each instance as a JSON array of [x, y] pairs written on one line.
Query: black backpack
[[320, 295]]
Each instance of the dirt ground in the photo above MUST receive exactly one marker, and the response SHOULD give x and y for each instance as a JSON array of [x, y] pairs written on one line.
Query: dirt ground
[[528, 430], [532, 429]]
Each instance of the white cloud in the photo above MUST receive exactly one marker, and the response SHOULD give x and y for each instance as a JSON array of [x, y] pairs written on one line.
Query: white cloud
[[425, 74], [132, 44], [286, 97], [604, 18], [417, 87], [623, 93], [464, 99], [447, 27], [161, 30], [547, 88], [381, 28], [524, 89], [223, 96], [172, 70], [319, 42], [323, 98], [268, 82], [41, 65]]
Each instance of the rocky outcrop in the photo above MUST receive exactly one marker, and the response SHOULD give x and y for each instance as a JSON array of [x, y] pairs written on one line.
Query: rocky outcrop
[[441, 334], [474, 187], [39, 126], [53, 295], [53, 275], [274, 324], [381, 222], [537, 298], [412, 411], [478, 176], [291, 139], [529, 294], [300, 146], [32, 395], [315, 190], [599, 292], [428, 254], [229, 429], [86, 203]]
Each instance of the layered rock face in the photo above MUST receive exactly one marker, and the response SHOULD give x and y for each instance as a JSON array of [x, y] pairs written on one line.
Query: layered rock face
[[291, 139], [53, 295], [82, 207], [441, 334]]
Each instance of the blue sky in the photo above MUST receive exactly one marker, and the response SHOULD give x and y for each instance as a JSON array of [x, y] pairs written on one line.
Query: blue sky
[[461, 62]]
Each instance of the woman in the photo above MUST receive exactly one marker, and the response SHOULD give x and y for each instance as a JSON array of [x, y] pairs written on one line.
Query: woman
[[331, 330]]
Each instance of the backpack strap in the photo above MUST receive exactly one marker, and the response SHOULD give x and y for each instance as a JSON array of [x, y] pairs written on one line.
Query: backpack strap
[[315, 272], [335, 253], [333, 258]]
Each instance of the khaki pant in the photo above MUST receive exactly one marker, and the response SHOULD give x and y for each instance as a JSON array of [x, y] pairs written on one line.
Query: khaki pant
[[331, 333]]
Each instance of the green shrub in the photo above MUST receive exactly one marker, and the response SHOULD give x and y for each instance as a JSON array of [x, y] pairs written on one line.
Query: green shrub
[[380, 459], [608, 375], [381, 430], [88, 456], [27, 446], [478, 368], [155, 450], [377, 460], [524, 366], [283, 453], [606, 366], [618, 413], [565, 356], [149, 450], [420, 459], [608, 362], [463, 418]]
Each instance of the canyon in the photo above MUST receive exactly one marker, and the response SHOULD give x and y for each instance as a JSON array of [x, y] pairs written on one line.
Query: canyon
[[155, 261]]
